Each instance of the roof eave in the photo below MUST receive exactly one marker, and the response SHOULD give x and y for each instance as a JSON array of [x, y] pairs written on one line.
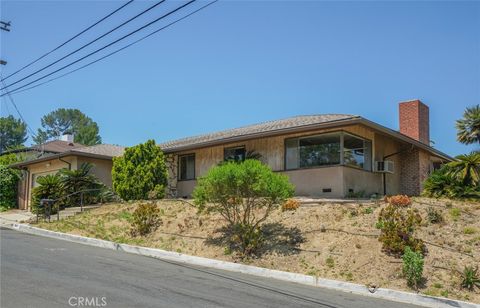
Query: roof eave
[[342, 122], [405, 138], [60, 155]]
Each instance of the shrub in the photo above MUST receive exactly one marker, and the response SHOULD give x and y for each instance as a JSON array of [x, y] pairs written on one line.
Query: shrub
[[399, 200], [397, 226], [145, 219], [49, 187], [412, 267], [244, 194], [139, 171], [457, 180], [470, 278], [8, 186], [74, 181], [290, 205], [434, 216]]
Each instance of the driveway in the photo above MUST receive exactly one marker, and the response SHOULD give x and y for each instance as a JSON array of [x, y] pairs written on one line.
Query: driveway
[[43, 272]]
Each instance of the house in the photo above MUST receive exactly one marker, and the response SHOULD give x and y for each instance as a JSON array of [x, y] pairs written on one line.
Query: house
[[48, 148], [327, 155], [70, 156]]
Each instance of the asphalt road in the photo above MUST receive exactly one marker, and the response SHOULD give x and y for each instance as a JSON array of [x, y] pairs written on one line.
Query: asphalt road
[[42, 272]]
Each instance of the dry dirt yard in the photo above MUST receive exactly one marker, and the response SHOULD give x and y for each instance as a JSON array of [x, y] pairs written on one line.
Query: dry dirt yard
[[329, 240]]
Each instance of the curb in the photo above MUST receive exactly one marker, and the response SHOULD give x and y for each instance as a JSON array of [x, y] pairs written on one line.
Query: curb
[[388, 294]]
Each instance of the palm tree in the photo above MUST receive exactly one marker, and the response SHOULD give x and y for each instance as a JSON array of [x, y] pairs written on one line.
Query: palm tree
[[468, 128], [466, 168], [74, 181]]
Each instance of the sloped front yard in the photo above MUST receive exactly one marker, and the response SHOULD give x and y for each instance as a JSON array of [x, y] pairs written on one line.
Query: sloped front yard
[[336, 241]]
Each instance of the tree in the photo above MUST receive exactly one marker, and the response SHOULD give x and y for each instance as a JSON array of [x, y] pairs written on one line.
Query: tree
[[468, 128], [73, 181], [244, 194], [8, 187], [68, 121], [466, 168], [13, 133], [141, 173]]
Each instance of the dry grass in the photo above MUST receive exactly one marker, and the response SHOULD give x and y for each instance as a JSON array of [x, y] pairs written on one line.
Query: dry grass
[[337, 241]]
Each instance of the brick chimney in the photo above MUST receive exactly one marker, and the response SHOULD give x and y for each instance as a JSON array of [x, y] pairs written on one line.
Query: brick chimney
[[414, 120]]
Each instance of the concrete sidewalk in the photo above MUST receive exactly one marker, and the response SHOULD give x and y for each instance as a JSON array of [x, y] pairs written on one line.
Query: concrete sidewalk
[[8, 218]]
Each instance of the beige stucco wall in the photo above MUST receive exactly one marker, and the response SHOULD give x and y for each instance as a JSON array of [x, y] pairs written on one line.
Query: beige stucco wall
[[102, 169], [311, 182]]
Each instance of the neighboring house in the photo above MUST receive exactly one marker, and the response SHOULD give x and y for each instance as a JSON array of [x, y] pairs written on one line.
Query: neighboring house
[[48, 148], [329, 155], [71, 158]]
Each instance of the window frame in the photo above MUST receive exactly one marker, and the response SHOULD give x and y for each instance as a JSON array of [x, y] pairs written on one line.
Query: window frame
[[341, 153], [179, 167], [233, 148]]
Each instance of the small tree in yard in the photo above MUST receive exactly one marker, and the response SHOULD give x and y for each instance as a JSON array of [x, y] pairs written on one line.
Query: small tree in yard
[[49, 188], [244, 194], [139, 172]]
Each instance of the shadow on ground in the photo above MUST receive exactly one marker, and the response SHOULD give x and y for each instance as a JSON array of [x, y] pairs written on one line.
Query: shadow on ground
[[276, 238]]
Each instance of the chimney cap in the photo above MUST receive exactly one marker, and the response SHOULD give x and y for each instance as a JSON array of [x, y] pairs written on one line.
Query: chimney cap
[[67, 137]]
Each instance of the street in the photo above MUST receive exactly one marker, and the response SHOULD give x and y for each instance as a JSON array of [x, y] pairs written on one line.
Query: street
[[43, 272]]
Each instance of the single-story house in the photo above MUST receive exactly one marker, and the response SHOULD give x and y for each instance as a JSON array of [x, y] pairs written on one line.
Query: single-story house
[[325, 155], [72, 157]]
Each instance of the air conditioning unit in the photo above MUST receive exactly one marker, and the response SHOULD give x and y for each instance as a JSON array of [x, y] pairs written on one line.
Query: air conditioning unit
[[386, 166]]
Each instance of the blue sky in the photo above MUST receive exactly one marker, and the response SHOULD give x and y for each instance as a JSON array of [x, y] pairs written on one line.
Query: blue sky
[[242, 62]]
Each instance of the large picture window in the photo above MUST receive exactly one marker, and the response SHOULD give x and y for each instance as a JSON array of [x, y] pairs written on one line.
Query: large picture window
[[328, 149], [186, 167]]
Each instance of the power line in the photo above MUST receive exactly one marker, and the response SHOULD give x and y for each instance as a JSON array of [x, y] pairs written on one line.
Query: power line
[[18, 111], [89, 43], [68, 41], [102, 48], [118, 50]]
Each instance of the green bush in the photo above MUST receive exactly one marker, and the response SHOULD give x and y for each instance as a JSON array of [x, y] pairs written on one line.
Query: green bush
[[470, 278], [74, 181], [412, 267], [8, 187], [244, 194], [397, 226], [456, 180], [145, 219], [139, 171], [49, 187]]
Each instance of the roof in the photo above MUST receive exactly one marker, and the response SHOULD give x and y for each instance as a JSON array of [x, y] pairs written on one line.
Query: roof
[[252, 130], [54, 146], [288, 125], [99, 151], [103, 149]]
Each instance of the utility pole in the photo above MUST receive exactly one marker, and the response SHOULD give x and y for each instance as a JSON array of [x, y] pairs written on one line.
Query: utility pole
[[5, 27]]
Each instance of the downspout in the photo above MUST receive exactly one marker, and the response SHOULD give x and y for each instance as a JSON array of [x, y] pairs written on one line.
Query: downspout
[[384, 174], [26, 189], [68, 163]]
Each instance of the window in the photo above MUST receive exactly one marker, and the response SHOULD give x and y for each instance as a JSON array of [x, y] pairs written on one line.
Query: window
[[357, 152], [234, 154], [186, 167], [328, 150]]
